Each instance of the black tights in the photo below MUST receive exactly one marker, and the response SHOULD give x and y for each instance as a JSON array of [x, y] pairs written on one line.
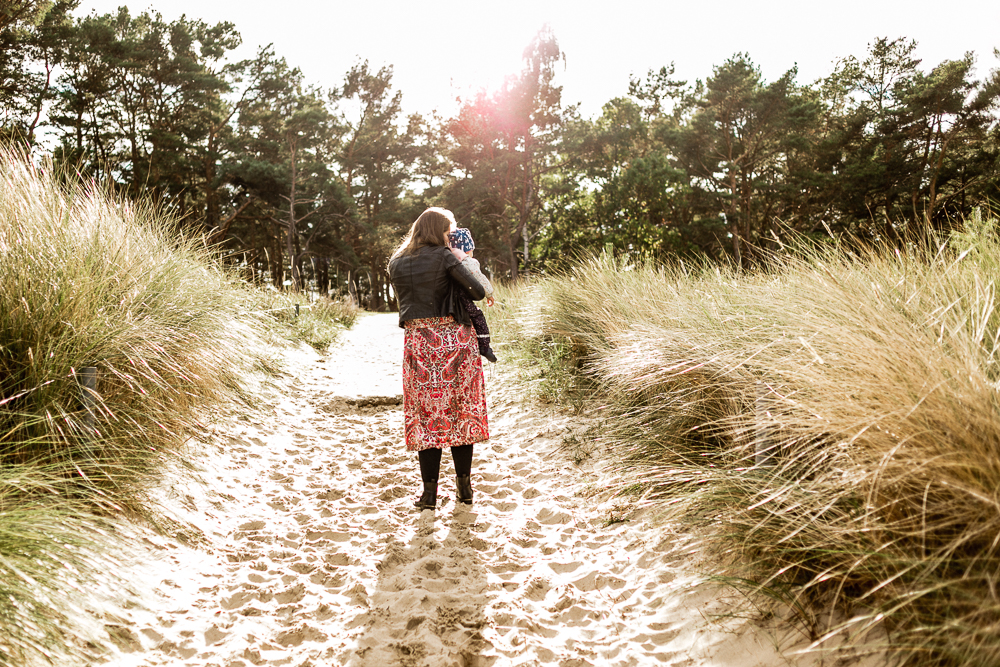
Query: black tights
[[430, 462]]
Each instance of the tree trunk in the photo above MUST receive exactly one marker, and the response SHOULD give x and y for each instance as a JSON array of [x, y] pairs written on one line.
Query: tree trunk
[[41, 101], [734, 231], [512, 260], [290, 232], [732, 220], [745, 195], [322, 268], [932, 188], [212, 214], [277, 261], [376, 301]]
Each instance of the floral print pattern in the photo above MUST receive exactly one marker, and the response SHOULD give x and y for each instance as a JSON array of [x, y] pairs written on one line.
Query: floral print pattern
[[444, 396]]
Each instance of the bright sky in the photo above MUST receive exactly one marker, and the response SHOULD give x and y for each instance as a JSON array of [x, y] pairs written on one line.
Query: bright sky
[[440, 49]]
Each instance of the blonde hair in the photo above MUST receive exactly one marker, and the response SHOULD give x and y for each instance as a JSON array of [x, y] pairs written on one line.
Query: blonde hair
[[427, 230]]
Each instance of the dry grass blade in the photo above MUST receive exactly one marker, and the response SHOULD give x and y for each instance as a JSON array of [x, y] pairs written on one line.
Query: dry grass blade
[[88, 280], [832, 423]]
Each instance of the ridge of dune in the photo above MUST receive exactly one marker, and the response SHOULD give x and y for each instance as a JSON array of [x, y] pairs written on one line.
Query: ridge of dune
[[293, 541]]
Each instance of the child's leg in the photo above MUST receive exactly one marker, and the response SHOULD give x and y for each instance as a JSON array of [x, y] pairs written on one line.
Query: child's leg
[[482, 332], [481, 327]]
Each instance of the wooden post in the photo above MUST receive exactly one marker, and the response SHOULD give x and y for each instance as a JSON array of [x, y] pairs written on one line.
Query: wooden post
[[87, 377]]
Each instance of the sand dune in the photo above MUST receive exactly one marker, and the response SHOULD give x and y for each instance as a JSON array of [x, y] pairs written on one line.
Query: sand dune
[[293, 541]]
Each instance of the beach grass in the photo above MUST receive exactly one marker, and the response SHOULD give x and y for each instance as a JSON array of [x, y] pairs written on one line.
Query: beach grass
[[315, 321], [830, 424], [117, 336], [54, 554], [90, 281]]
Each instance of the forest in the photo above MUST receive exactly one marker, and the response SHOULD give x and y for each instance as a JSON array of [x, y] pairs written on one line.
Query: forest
[[310, 188]]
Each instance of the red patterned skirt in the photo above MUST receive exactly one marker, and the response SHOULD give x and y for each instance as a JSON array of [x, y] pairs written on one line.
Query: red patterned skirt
[[444, 397]]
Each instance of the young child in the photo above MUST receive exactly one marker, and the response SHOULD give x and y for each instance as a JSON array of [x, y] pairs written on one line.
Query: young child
[[461, 240]]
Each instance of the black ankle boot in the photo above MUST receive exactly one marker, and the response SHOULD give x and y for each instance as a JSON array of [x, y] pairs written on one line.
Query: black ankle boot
[[463, 489], [428, 499]]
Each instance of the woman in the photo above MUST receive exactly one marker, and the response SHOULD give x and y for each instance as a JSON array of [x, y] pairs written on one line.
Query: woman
[[444, 399]]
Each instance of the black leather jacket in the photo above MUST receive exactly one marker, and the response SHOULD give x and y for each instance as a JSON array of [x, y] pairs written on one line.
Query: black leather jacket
[[427, 284]]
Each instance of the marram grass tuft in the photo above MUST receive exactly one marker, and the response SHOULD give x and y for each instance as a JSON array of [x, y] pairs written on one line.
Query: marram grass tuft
[[90, 281], [831, 424]]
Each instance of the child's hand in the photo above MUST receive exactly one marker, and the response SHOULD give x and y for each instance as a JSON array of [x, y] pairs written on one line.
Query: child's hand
[[490, 301], [459, 254]]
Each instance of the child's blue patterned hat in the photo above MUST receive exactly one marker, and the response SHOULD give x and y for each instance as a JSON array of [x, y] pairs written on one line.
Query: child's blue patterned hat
[[461, 238]]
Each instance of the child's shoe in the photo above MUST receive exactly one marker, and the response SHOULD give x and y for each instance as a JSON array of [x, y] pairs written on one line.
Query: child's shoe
[[489, 355]]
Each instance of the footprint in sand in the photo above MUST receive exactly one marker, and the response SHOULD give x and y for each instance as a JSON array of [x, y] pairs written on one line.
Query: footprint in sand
[[313, 555]]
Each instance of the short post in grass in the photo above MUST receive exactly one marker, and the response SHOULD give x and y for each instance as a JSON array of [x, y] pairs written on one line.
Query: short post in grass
[[763, 427], [87, 377], [296, 310]]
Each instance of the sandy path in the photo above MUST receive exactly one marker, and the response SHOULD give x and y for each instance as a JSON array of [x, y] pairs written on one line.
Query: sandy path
[[293, 541]]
